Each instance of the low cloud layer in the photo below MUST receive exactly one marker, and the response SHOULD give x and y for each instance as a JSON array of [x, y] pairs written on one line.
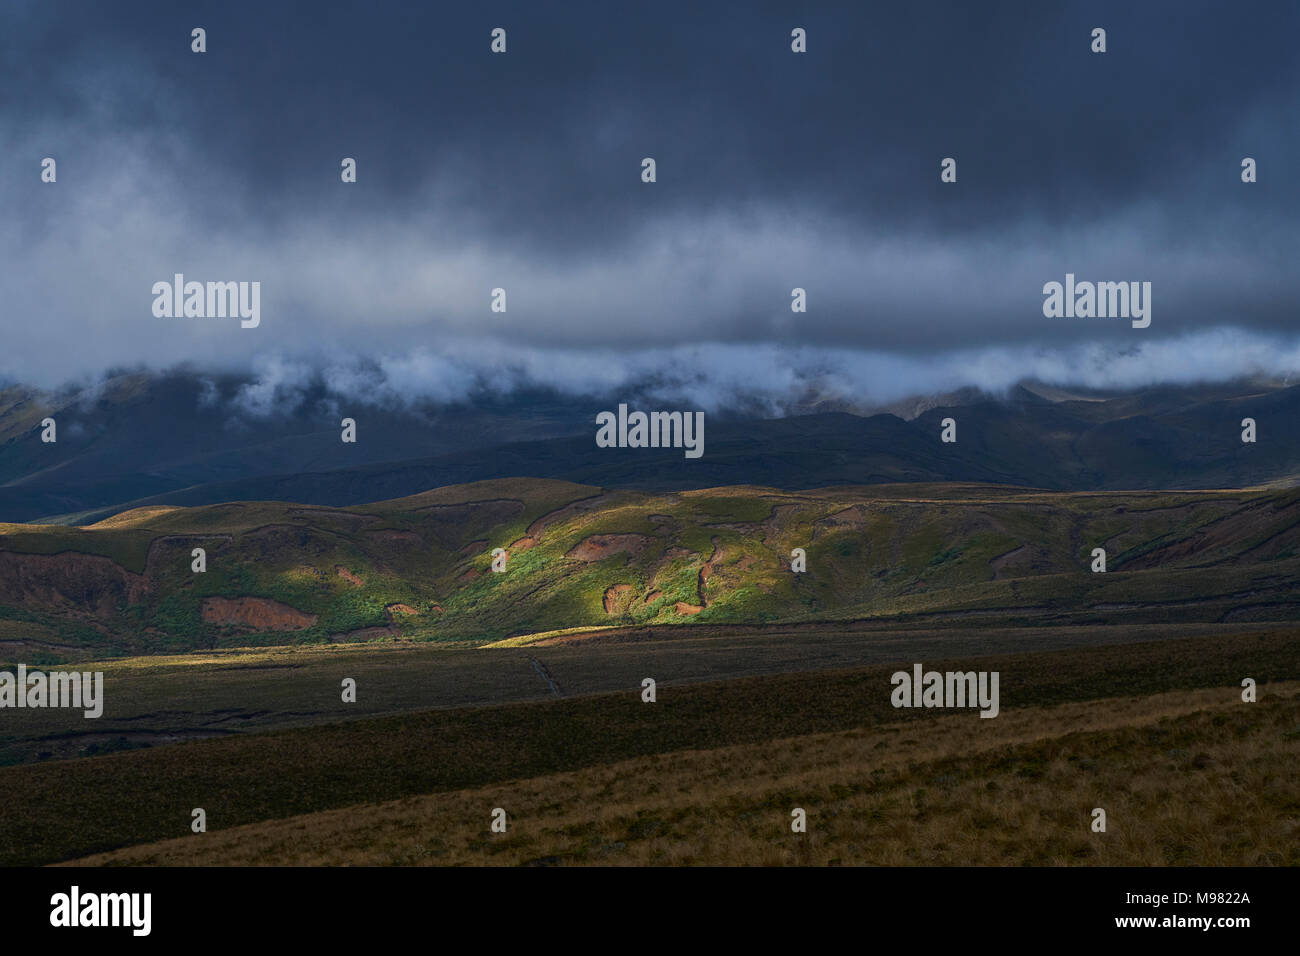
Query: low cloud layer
[[764, 379], [776, 171]]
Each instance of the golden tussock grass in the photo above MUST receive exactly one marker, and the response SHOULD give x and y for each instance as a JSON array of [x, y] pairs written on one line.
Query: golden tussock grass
[[1193, 777]]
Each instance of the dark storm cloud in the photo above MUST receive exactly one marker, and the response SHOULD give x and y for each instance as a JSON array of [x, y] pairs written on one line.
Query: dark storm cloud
[[775, 170]]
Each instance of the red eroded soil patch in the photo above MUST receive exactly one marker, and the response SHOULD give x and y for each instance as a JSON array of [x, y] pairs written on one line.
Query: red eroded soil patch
[[600, 546], [259, 614], [617, 598], [86, 582], [523, 544], [681, 607], [706, 572], [393, 609], [348, 576]]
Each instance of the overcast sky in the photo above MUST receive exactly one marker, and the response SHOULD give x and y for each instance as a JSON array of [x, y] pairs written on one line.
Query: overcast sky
[[775, 170]]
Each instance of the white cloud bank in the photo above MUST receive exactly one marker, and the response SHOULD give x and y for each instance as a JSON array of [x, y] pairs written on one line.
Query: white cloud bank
[[766, 378]]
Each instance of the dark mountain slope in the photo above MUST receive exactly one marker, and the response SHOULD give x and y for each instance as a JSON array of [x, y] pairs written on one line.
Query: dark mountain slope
[[167, 440]]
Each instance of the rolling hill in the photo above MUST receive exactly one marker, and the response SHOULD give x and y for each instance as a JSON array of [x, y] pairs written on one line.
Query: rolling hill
[[582, 557]]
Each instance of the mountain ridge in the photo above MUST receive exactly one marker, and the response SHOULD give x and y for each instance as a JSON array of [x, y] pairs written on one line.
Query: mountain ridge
[[163, 440]]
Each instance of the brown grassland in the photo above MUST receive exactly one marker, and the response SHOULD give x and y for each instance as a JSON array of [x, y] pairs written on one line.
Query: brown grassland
[[1188, 777], [1156, 733]]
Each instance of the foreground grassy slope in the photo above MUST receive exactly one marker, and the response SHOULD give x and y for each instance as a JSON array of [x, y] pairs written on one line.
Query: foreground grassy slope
[[162, 699], [59, 810], [1191, 778], [419, 567]]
